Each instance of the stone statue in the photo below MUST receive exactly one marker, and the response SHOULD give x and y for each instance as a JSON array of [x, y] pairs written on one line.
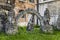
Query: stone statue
[[47, 27], [10, 25], [47, 16], [3, 20]]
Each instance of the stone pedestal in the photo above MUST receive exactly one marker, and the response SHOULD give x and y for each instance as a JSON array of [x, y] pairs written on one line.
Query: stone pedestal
[[47, 29]]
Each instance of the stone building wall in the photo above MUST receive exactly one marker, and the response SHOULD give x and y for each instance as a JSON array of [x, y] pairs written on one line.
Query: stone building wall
[[54, 9]]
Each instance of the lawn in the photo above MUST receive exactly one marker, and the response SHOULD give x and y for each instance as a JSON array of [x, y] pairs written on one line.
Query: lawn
[[33, 35]]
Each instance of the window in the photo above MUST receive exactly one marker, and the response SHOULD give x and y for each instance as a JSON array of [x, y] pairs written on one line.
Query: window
[[31, 1]]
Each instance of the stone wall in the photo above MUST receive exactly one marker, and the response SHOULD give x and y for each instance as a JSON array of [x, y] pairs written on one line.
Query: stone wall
[[54, 8]]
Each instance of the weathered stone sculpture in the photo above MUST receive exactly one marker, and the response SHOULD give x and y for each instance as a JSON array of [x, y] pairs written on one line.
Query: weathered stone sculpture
[[3, 20], [11, 25], [45, 27], [7, 22], [48, 27], [31, 22], [46, 16]]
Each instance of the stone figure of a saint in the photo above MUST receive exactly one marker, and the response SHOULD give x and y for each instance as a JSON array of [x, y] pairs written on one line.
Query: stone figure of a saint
[[46, 16]]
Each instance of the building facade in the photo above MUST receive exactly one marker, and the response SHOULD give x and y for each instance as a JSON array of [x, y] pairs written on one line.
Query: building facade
[[21, 5]]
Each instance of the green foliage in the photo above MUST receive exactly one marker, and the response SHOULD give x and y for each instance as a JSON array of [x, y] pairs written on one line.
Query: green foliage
[[36, 26], [33, 35]]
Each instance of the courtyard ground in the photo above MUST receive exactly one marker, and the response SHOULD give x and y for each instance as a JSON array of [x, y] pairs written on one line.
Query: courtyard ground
[[33, 35]]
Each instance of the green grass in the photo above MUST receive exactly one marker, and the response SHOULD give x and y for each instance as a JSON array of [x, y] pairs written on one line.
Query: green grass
[[33, 35]]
